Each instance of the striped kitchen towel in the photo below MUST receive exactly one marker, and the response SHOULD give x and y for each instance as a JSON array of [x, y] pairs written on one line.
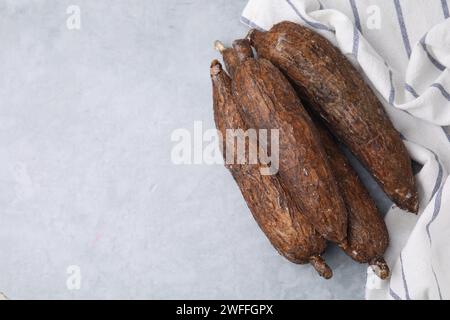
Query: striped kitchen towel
[[403, 49]]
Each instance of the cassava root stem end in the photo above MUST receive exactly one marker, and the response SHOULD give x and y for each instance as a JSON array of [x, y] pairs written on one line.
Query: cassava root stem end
[[219, 46], [321, 267], [380, 267], [215, 68]]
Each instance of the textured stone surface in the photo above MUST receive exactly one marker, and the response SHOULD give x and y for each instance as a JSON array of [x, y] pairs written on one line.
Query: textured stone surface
[[85, 123]]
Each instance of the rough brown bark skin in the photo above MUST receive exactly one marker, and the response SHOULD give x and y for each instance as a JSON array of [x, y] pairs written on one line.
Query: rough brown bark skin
[[288, 231], [243, 49], [338, 93], [267, 101], [367, 234]]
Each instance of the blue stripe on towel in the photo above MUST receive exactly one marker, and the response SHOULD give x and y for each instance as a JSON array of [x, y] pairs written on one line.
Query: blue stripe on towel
[[313, 24], [251, 24], [405, 284], [436, 63], [437, 208], [442, 90], [437, 283], [411, 90], [439, 178], [356, 28], [394, 295], [392, 91], [355, 42], [320, 6], [447, 132], [356, 15], [403, 29], [438, 86], [445, 8]]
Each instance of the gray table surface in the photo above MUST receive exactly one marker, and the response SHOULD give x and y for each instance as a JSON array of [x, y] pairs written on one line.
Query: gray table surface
[[87, 180]]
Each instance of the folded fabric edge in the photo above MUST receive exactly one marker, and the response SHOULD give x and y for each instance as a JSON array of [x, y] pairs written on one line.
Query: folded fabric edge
[[247, 22]]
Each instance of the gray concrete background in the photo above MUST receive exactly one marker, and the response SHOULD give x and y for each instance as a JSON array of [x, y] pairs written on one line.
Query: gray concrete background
[[85, 123]]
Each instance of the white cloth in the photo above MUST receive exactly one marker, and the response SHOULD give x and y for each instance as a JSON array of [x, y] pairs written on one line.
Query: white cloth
[[406, 62]]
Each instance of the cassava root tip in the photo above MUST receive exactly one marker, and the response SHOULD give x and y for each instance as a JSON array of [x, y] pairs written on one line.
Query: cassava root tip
[[219, 46], [344, 244], [321, 267], [380, 267], [412, 204], [215, 68]]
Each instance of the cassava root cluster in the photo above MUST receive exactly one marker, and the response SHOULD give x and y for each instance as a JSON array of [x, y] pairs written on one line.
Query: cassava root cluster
[[301, 85]]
